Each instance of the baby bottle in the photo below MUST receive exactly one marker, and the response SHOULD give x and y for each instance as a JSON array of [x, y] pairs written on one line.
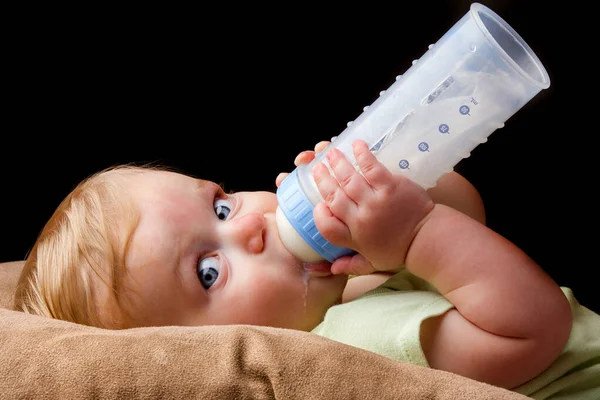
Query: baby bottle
[[465, 86]]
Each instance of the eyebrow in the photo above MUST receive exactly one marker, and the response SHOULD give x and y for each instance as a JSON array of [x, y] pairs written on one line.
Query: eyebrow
[[215, 189], [203, 185]]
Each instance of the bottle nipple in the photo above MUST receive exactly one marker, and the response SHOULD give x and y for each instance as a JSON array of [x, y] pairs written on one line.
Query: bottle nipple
[[293, 241]]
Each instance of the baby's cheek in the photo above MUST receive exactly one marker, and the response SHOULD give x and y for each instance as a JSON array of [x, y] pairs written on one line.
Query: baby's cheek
[[282, 301]]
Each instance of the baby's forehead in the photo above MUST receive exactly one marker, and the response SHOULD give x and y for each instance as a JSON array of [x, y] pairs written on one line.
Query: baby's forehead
[[151, 190], [168, 192], [168, 178], [150, 176]]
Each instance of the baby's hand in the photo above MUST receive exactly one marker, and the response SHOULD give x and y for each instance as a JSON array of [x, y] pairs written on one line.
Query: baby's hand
[[303, 158], [376, 213]]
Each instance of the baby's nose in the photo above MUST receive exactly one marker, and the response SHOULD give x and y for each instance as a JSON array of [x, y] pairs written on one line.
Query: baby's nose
[[248, 231]]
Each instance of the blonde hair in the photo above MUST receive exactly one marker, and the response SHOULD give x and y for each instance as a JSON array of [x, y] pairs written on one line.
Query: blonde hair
[[85, 239]]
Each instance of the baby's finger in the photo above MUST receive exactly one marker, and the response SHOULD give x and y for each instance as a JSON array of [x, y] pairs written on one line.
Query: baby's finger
[[280, 178], [319, 147], [355, 265], [350, 180], [334, 196], [332, 229], [375, 172], [304, 158]]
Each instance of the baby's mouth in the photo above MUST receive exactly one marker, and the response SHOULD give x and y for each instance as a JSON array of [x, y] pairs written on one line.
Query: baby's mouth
[[318, 269]]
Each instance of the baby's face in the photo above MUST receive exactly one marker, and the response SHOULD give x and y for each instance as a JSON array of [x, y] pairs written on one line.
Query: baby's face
[[202, 257]]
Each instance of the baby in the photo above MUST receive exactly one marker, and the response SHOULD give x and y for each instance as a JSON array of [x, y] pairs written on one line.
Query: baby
[[430, 283]]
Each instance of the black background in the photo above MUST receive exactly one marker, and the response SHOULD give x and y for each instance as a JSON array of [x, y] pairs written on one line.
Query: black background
[[232, 94]]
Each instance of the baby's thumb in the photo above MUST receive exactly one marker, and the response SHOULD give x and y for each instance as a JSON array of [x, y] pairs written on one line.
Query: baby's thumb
[[352, 265], [280, 178]]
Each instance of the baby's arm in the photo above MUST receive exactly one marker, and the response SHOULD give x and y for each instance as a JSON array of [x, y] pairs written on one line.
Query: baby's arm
[[457, 192], [510, 319]]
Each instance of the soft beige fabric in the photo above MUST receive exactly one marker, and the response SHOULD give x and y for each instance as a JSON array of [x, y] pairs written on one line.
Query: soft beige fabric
[[9, 274], [51, 359]]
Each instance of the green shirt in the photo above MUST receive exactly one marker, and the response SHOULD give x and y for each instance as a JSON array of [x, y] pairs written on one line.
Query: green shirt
[[387, 321]]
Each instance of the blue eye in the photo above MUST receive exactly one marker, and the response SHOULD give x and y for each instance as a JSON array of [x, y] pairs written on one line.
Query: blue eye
[[222, 209], [208, 271]]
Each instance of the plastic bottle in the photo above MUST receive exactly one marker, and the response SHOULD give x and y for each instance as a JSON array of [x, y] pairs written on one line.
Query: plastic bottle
[[478, 74]]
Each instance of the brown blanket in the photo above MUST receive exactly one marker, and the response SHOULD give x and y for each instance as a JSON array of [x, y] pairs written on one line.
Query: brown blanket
[[51, 359]]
